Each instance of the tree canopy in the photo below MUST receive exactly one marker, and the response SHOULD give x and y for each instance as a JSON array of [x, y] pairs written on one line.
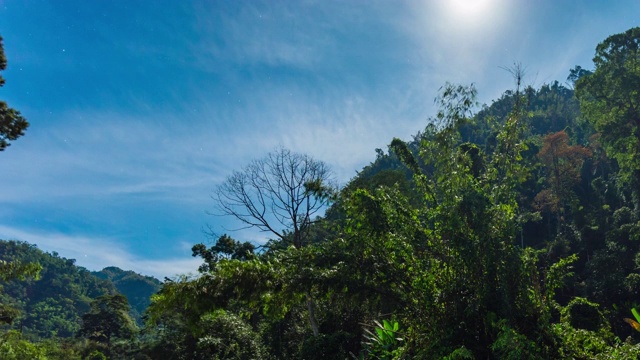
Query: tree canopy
[[610, 99], [507, 231], [12, 124], [276, 194]]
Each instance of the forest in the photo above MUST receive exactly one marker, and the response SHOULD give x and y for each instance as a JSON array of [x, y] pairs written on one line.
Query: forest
[[502, 231]]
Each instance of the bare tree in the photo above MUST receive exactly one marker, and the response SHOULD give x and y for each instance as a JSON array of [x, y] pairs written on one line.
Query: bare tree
[[281, 192]]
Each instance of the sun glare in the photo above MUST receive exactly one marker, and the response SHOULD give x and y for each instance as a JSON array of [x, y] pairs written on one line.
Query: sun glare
[[469, 7], [471, 12]]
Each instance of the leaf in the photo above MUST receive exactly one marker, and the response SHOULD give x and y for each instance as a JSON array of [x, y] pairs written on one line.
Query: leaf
[[633, 323], [387, 325], [371, 336], [635, 314]]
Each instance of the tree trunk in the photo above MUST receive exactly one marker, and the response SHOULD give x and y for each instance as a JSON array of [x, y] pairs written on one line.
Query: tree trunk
[[311, 306]]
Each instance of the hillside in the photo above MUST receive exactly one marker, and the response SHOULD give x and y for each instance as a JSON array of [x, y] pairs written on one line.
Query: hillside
[[53, 305], [512, 231], [506, 231], [137, 288]]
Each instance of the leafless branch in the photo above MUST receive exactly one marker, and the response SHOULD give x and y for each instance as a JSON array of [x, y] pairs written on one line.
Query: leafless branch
[[270, 194]]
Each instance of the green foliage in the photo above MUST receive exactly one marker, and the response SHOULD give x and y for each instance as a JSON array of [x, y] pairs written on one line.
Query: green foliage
[[135, 287], [433, 234], [329, 346], [461, 353], [512, 345], [507, 234], [14, 347], [384, 343], [576, 73], [96, 355], [580, 313], [108, 320], [439, 256], [557, 276], [610, 99], [52, 305], [12, 124], [216, 335], [223, 335], [224, 248], [59, 349], [10, 270], [585, 344]]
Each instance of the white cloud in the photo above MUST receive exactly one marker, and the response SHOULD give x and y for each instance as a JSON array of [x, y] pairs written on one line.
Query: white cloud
[[111, 155], [344, 135], [181, 157], [332, 79], [96, 253], [273, 34]]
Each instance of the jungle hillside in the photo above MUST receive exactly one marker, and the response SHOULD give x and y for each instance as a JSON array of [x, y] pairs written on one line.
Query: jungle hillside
[[508, 230]]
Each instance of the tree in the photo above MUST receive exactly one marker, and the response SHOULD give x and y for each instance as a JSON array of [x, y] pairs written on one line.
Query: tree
[[223, 335], [563, 164], [225, 248], [610, 99], [10, 270], [12, 124], [217, 334], [14, 347], [283, 189], [576, 73], [108, 319]]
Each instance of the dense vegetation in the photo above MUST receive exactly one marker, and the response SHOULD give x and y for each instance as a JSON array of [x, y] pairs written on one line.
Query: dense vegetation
[[135, 287], [52, 305], [12, 123], [510, 233], [57, 300]]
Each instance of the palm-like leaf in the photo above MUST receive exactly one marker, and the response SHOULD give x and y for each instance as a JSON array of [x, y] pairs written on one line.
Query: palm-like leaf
[[634, 324]]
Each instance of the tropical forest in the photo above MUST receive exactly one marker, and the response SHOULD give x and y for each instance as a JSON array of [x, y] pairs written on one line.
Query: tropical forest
[[508, 230]]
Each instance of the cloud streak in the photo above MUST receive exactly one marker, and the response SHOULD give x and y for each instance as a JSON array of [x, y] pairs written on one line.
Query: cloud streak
[[150, 107], [96, 254]]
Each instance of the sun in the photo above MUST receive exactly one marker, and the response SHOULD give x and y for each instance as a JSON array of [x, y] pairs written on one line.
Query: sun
[[470, 9], [471, 14]]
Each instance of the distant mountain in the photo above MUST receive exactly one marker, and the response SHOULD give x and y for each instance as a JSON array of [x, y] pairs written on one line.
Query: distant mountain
[[137, 288], [53, 305]]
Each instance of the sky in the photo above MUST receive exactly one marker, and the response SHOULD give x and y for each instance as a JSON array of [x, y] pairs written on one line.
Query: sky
[[139, 109]]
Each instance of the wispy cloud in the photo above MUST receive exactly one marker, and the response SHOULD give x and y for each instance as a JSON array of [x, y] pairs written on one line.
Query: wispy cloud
[[148, 109], [98, 253], [254, 35], [108, 155]]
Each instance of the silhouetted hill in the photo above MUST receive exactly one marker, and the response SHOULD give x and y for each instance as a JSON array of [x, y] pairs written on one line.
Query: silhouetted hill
[[137, 288]]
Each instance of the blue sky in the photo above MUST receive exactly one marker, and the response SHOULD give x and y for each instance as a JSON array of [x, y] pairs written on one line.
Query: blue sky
[[138, 109]]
